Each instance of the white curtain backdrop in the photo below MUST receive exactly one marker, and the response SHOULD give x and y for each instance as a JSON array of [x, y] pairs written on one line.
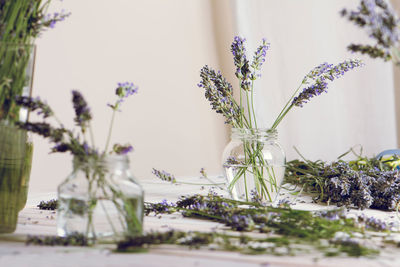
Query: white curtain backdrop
[[359, 108]]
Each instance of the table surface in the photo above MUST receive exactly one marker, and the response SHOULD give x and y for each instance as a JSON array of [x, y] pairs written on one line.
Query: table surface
[[14, 252]]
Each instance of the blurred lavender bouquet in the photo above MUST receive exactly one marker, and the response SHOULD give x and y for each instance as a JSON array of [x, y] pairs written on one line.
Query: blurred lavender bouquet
[[21, 21], [100, 181], [382, 24], [253, 161]]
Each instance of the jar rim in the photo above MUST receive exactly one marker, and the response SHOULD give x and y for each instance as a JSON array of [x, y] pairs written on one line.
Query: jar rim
[[252, 133], [105, 158], [254, 130]]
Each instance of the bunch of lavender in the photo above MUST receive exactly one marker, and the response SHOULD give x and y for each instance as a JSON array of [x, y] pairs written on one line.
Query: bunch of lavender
[[251, 165], [282, 223], [21, 21], [66, 140], [220, 92], [364, 183], [85, 153], [382, 24]]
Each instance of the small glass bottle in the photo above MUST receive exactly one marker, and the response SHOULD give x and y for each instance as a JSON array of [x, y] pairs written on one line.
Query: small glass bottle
[[100, 199], [254, 164]]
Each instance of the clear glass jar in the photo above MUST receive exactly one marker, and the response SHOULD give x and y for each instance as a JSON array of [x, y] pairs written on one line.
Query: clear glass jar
[[254, 164], [100, 199]]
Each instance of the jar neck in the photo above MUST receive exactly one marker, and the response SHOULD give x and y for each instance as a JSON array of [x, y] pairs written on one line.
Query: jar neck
[[261, 135], [107, 163]]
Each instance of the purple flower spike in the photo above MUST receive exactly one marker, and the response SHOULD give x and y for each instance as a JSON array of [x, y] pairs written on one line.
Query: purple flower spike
[[82, 110], [239, 58], [259, 55], [320, 76], [122, 149]]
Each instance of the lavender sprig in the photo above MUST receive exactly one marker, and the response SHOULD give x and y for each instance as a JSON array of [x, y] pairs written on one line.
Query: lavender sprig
[[50, 20], [123, 91], [122, 149], [239, 58], [382, 24], [165, 176], [34, 104], [65, 140], [327, 72], [319, 77], [220, 94], [82, 110], [259, 57]]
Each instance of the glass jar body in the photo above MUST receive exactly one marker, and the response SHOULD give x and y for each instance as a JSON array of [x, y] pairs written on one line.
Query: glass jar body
[[254, 164], [100, 199]]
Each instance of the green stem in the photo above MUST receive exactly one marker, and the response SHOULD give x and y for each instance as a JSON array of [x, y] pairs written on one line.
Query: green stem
[[248, 109], [252, 103], [286, 108], [110, 131]]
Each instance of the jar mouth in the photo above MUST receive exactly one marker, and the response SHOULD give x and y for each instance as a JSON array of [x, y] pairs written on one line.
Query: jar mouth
[[104, 160], [254, 134]]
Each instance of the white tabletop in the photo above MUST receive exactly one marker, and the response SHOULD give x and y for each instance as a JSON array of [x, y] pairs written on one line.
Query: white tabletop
[[13, 251]]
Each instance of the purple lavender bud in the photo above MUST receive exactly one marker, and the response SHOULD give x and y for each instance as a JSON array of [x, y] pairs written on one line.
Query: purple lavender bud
[[259, 55], [33, 104], [163, 175], [82, 110], [122, 149], [320, 75], [381, 23]]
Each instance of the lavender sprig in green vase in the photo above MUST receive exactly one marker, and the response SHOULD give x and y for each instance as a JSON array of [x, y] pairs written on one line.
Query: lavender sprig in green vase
[[254, 161], [100, 198]]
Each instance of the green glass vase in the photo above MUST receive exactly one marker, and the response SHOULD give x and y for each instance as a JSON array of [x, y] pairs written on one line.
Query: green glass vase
[[16, 76], [15, 166]]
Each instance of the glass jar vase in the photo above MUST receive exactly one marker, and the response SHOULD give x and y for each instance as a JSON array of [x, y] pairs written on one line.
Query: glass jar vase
[[100, 200], [254, 164]]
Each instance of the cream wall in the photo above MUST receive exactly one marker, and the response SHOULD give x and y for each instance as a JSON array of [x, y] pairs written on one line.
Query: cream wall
[[161, 46], [359, 108]]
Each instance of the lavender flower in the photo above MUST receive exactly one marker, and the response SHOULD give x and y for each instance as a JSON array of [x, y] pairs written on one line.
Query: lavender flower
[[239, 57], [259, 56], [321, 75], [122, 149], [61, 147], [42, 128], [373, 223], [220, 94], [165, 176], [82, 110], [34, 104], [381, 23], [123, 91], [241, 62], [50, 20]]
